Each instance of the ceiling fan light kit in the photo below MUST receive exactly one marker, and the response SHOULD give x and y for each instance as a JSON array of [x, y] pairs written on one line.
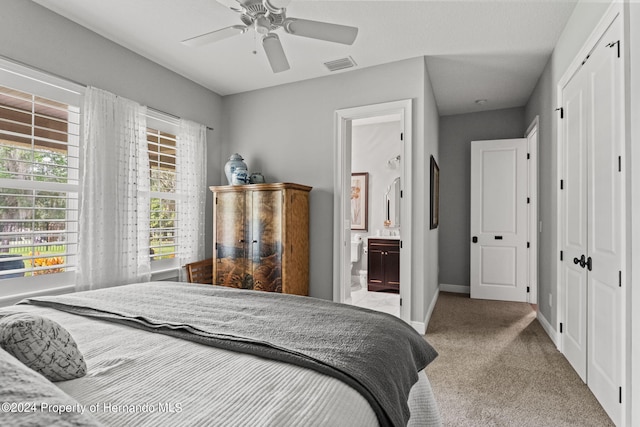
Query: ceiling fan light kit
[[275, 53], [267, 16]]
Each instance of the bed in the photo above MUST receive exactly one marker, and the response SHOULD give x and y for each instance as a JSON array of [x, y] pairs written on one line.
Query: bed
[[178, 354]]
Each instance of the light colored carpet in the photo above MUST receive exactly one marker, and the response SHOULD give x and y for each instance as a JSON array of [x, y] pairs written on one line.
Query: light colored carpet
[[498, 367]]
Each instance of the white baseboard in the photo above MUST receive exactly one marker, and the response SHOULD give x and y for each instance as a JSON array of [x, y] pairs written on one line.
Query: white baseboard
[[421, 327], [458, 289], [548, 329], [427, 317]]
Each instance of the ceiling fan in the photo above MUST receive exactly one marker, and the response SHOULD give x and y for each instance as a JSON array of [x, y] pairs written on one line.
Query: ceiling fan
[[267, 16]]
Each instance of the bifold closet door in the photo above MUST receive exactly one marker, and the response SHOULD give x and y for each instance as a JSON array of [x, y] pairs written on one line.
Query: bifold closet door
[[592, 206], [605, 221], [574, 222]]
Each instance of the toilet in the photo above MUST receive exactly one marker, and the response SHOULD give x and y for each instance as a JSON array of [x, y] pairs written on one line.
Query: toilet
[[356, 246]]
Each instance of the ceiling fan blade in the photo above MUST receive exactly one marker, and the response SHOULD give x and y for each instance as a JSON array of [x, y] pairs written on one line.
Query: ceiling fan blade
[[215, 36], [275, 53], [231, 4], [321, 30], [275, 6]]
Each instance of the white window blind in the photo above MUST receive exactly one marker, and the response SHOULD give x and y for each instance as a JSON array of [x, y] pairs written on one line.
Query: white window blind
[[163, 221], [39, 179]]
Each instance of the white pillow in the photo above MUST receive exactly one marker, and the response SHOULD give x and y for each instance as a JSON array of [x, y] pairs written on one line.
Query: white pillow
[[43, 345]]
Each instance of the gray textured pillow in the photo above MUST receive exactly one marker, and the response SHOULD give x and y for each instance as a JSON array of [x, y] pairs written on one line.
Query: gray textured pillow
[[43, 345], [24, 394]]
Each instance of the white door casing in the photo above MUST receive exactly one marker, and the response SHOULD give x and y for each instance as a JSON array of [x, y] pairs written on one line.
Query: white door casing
[[342, 182], [499, 226], [592, 219], [532, 238]]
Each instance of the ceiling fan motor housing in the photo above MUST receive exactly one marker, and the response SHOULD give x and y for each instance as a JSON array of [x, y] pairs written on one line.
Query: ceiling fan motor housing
[[263, 20]]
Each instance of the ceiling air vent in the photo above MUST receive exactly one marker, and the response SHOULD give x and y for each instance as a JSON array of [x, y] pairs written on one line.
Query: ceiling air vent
[[340, 64]]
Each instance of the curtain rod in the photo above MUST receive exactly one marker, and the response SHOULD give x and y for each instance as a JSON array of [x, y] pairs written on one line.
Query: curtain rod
[[77, 83], [172, 115]]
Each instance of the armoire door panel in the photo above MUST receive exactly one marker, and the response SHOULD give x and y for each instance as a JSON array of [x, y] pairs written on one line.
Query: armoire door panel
[[266, 244], [231, 236]]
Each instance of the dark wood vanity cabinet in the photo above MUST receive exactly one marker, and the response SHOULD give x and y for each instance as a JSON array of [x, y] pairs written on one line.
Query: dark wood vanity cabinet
[[384, 265]]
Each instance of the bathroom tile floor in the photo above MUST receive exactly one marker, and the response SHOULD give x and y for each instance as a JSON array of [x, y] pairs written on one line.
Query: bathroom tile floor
[[380, 301]]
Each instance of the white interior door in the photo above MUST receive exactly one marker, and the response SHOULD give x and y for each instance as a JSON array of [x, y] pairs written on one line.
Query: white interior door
[[499, 264], [574, 223], [605, 222], [592, 221]]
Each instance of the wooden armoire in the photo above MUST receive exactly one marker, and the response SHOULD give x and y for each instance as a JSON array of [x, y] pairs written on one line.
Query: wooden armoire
[[261, 237]]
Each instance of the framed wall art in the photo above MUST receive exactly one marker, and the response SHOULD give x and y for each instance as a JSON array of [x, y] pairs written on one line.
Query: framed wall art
[[359, 200], [435, 195]]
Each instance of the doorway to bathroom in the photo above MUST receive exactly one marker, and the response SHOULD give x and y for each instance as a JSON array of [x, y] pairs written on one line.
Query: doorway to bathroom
[[372, 207]]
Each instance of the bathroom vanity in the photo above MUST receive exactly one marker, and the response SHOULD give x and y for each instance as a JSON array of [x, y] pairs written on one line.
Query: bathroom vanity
[[383, 264]]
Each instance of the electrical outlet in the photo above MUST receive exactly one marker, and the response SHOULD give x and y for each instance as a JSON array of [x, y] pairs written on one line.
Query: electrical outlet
[[550, 300]]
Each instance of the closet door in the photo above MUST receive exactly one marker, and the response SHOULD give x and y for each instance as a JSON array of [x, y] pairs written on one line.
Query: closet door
[[592, 212], [605, 221], [574, 223]]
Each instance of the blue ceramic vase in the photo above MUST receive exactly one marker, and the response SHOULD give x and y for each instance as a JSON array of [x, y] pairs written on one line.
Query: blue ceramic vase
[[240, 176], [234, 162]]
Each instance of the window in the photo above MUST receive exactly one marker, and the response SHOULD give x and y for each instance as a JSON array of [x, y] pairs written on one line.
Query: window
[[163, 224], [39, 179]]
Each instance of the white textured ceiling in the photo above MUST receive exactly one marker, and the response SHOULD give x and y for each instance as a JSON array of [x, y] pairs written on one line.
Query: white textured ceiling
[[476, 49]]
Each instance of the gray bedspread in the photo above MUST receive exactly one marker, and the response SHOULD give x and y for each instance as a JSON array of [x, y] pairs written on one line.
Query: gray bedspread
[[375, 353]]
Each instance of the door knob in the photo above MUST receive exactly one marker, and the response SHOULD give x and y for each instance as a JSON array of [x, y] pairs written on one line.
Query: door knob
[[475, 239], [582, 261]]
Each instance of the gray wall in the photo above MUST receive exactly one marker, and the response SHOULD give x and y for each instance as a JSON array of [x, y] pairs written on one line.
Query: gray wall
[[372, 145], [428, 260], [287, 132], [456, 134], [543, 103], [39, 38]]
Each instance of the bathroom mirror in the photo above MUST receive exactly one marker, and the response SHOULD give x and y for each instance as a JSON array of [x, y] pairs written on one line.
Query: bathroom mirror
[[391, 204]]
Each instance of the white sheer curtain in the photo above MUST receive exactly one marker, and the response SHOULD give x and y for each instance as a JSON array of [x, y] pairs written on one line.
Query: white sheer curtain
[[114, 212], [192, 189]]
